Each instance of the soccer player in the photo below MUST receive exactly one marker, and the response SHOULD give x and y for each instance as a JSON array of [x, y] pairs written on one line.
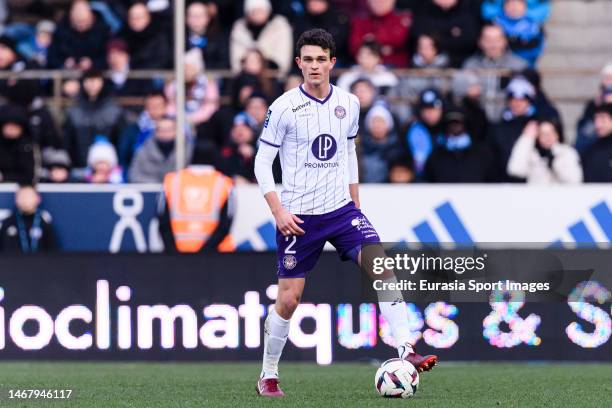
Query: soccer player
[[314, 127]]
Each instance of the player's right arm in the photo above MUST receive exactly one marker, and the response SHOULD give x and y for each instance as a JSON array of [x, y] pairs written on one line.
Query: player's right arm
[[270, 141]]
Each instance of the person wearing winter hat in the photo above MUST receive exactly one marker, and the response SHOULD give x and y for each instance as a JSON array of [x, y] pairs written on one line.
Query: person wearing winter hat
[[93, 113], [56, 166], [17, 151], [518, 112], [597, 158], [259, 28], [202, 93], [586, 134], [379, 144], [102, 163], [425, 128], [118, 60], [42, 41], [456, 158], [238, 155], [9, 56]]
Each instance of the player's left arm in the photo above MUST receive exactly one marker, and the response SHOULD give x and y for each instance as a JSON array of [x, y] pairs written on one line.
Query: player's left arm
[[352, 163], [353, 171]]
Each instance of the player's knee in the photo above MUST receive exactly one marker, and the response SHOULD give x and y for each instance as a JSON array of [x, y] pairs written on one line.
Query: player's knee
[[287, 303]]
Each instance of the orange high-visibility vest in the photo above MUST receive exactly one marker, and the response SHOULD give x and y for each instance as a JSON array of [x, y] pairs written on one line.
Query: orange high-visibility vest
[[195, 200]]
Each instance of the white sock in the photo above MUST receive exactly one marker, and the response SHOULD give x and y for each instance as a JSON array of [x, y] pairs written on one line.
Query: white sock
[[396, 314], [276, 330]]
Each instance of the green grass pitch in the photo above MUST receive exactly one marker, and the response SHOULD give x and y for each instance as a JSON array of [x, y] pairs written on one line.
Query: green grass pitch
[[306, 385]]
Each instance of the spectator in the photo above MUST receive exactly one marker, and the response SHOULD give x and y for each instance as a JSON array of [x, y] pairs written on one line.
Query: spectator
[[494, 55], [525, 35], [157, 156], [365, 91], [55, 166], [239, 154], [428, 53], [198, 206], [204, 32], [454, 23], [541, 102], [466, 92], [17, 151], [10, 59], [102, 163], [322, 14], [519, 111], [426, 129], [427, 56], [79, 41], [541, 157], [401, 169], [43, 131], [271, 34], [136, 134], [597, 158], [254, 63], [256, 107], [379, 144], [586, 125], [538, 10], [148, 46], [42, 42], [387, 27], [94, 113], [118, 59], [456, 158], [28, 228], [369, 60], [202, 94]]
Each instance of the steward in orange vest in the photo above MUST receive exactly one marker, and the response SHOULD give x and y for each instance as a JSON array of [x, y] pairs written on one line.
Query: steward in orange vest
[[197, 207]]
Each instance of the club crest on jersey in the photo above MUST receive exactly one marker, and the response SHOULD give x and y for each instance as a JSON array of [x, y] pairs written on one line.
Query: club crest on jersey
[[324, 147], [340, 112], [267, 120], [289, 262]]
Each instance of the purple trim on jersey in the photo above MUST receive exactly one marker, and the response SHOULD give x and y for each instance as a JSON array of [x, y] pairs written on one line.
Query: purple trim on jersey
[[352, 137], [331, 90], [268, 143]]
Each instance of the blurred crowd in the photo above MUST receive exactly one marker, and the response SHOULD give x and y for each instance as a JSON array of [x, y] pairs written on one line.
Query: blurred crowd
[[489, 122]]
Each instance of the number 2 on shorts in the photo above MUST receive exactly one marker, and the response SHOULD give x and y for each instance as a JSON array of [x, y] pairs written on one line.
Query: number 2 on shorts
[[288, 250]]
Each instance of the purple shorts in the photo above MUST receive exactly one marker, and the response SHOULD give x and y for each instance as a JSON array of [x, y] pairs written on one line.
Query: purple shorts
[[346, 228]]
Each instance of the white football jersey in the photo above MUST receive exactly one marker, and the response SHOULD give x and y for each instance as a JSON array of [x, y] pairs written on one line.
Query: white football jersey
[[312, 135]]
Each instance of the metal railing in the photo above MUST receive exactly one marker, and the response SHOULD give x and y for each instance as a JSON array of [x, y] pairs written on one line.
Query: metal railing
[[57, 102]]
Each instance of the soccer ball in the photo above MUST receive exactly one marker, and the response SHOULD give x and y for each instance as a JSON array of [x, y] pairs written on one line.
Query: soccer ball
[[396, 378]]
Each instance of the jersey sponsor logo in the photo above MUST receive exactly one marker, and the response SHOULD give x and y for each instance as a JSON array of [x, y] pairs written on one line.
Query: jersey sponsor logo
[[340, 112], [289, 262], [267, 120], [321, 165], [324, 147], [297, 108]]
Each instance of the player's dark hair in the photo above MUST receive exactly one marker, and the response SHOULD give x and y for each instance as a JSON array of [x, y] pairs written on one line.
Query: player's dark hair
[[317, 36]]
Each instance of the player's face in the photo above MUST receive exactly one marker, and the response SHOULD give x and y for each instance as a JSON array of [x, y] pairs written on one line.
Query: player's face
[[315, 64]]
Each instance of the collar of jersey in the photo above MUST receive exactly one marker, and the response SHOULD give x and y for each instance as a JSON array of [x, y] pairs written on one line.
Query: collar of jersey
[[331, 89]]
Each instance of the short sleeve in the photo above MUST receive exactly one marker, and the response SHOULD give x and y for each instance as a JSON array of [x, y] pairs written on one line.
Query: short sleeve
[[354, 110], [274, 128]]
